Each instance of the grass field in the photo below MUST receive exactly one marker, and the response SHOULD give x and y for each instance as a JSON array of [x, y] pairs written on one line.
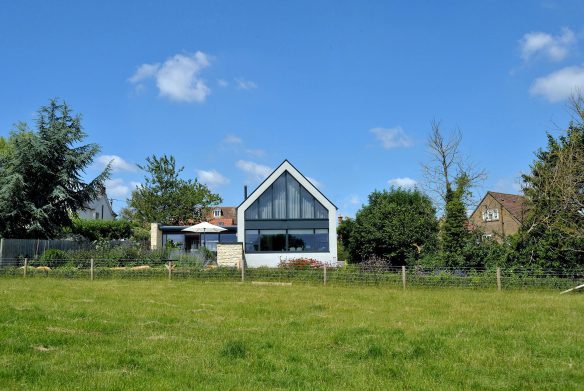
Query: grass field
[[114, 334]]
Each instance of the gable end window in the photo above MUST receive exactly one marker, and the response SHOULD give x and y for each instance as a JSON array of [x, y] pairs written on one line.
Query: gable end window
[[286, 199], [491, 215]]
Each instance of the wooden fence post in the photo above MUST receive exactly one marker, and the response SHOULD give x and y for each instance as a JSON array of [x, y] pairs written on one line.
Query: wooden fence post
[[498, 278], [242, 264], [91, 269], [169, 270], [324, 276], [404, 276], [25, 266]]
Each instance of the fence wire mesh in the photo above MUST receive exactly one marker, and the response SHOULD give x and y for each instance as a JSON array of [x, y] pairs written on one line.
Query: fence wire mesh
[[196, 269]]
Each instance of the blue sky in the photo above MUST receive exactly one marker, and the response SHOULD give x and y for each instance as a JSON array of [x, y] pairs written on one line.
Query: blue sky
[[344, 90]]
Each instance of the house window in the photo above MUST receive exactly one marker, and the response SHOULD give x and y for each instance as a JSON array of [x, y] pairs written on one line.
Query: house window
[[217, 213], [291, 240], [220, 223], [286, 199], [273, 240], [491, 215]]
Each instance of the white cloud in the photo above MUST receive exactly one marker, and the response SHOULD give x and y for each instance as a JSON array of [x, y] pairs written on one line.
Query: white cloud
[[232, 139], [354, 200], [243, 84], [392, 137], [223, 83], [143, 72], [212, 177], [404, 182], [539, 44], [257, 172], [116, 188], [178, 78], [559, 85], [255, 152], [117, 163]]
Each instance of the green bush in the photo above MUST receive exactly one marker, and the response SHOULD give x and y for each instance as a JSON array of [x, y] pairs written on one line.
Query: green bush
[[102, 229], [52, 258]]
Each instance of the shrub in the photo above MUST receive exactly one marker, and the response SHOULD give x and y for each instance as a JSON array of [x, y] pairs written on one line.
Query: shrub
[[300, 263], [52, 258], [102, 229]]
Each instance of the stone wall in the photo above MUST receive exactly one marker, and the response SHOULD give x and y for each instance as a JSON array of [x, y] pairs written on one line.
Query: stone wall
[[155, 237], [229, 254]]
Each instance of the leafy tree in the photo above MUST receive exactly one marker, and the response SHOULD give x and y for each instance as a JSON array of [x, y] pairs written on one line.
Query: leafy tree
[[397, 225], [41, 178], [552, 233], [167, 198], [451, 177], [454, 232]]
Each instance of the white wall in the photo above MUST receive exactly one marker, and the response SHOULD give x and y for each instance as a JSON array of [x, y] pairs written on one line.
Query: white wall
[[96, 206], [272, 259]]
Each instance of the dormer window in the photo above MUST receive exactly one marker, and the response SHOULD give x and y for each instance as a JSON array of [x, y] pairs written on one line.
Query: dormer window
[[217, 213], [491, 215]]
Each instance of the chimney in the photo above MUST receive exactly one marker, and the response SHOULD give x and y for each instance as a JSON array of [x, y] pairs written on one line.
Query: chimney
[[245, 192], [340, 219]]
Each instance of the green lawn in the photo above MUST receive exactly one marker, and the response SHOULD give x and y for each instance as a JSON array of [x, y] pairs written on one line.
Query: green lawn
[[116, 334]]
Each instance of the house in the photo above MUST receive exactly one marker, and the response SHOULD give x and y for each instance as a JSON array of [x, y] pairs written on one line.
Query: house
[[222, 216], [499, 214], [287, 217], [98, 209]]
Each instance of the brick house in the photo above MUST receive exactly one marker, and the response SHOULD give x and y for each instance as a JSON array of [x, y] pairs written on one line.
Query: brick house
[[499, 214], [222, 216]]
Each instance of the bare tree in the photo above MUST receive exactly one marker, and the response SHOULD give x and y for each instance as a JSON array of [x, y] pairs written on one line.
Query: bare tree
[[447, 166]]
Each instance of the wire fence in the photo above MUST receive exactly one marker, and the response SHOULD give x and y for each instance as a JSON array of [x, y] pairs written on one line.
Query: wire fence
[[404, 277]]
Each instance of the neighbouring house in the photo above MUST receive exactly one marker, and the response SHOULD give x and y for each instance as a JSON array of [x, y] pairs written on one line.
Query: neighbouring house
[[98, 209], [287, 217], [499, 214], [223, 216]]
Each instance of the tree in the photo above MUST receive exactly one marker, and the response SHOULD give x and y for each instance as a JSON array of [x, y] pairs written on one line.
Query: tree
[[41, 177], [166, 198], [552, 233], [450, 176], [397, 225]]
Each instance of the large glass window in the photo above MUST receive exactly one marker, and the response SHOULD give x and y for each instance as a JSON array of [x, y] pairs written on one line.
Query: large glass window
[[293, 198], [307, 204], [252, 240], [300, 239], [286, 199], [292, 240], [272, 240], [174, 240], [279, 191], [251, 213], [321, 239], [227, 238], [266, 205], [210, 241]]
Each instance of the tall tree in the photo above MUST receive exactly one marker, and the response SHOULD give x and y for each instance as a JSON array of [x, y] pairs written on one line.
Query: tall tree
[[41, 178], [397, 225], [450, 176], [166, 198], [553, 231]]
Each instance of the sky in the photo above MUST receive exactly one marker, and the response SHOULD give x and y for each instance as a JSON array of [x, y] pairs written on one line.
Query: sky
[[345, 90]]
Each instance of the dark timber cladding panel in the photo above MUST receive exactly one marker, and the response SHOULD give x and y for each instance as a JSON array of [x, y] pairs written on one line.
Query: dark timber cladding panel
[[285, 224]]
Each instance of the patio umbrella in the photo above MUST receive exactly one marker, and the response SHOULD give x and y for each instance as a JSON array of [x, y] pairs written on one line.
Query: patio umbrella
[[203, 228]]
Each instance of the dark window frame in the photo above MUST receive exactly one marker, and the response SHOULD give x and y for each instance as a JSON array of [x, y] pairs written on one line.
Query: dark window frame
[[287, 249]]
